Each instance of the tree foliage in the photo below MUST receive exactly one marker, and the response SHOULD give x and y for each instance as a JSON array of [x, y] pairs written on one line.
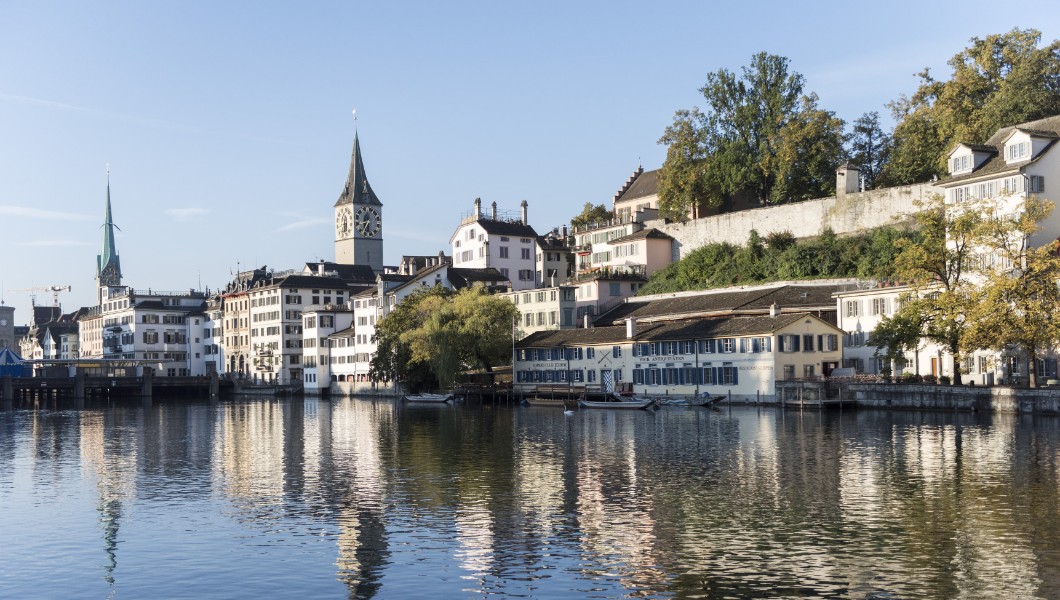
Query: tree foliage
[[1019, 303], [940, 268], [870, 147], [435, 334], [393, 359], [760, 137], [591, 215], [781, 257], [997, 81]]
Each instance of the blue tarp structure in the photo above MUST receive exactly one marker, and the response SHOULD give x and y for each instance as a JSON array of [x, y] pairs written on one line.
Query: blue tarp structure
[[11, 364]]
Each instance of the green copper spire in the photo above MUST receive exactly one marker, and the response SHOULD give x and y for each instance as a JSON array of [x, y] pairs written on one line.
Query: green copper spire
[[108, 268]]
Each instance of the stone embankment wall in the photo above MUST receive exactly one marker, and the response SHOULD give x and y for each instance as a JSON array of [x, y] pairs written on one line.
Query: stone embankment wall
[[844, 214], [960, 398]]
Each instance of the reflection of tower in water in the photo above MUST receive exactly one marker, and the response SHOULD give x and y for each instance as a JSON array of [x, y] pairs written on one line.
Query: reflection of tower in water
[[349, 445], [106, 454]]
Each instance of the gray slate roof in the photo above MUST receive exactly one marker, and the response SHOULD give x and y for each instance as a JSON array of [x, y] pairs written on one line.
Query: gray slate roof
[[348, 273], [646, 184], [512, 228], [786, 297], [650, 233], [685, 330], [1048, 127]]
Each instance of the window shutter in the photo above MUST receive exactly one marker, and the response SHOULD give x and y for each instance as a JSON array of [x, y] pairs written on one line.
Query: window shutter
[[735, 375]]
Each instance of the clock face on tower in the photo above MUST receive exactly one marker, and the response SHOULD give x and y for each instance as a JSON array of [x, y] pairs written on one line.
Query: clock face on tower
[[368, 221], [344, 222]]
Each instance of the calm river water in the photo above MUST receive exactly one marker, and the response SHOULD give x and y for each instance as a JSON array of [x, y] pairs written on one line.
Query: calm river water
[[370, 499]]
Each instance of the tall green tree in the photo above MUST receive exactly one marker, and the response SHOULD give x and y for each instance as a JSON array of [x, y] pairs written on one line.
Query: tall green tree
[[997, 81], [940, 267], [897, 334], [434, 335], [870, 147], [759, 137], [1019, 304], [394, 359]]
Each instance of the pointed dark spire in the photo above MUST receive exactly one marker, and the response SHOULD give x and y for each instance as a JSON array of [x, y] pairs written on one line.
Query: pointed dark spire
[[108, 267], [357, 189]]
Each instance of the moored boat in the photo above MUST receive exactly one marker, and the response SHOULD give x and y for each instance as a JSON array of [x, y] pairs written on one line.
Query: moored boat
[[612, 400], [553, 402], [428, 398], [706, 400]]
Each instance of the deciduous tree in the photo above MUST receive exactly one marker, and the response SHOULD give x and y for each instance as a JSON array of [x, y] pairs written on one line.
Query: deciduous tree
[[591, 215], [1019, 304], [870, 147], [759, 137], [999, 80], [939, 267]]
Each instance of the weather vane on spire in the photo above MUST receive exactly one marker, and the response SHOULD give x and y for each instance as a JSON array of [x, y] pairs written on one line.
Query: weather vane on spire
[[355, 116]]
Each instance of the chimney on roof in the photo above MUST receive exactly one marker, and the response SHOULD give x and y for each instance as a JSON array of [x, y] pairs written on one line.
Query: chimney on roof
[[585, 321], [493, 214], [774, 310], [524, 212], [478, 208], [631, 328], [563, 232], [847, 177], [320, 268]]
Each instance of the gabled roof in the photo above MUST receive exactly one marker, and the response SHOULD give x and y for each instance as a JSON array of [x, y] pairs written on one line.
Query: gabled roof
[[512, 228], [357, 188], [976, 148], [684, 330], [461, 278], [644, 234], [45, 314], [348, 273], [787, 297], [573, 337], [645, 184], [733, 326], [310, 281], [1048, 128]]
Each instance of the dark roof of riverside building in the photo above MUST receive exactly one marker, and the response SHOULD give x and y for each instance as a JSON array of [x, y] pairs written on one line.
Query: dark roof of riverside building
[[703, 328], [747, 301]]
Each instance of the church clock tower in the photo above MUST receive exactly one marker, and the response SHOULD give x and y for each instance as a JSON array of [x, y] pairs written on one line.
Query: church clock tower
[[108, 267], [358, 218]]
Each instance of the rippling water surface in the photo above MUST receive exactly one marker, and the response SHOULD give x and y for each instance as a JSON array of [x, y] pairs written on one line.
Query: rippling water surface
[[370, 499]]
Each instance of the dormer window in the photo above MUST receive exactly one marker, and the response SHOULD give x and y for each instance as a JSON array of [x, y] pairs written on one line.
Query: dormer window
[[960, 163], [1018, 151]]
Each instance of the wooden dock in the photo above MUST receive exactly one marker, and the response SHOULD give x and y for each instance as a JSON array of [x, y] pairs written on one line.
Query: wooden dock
[[83, 387]]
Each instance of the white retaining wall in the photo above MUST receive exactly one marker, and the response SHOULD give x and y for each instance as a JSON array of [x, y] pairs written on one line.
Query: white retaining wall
[[845, 214]]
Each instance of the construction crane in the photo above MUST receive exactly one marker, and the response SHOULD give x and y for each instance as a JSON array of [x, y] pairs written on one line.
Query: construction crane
[[54, 289]]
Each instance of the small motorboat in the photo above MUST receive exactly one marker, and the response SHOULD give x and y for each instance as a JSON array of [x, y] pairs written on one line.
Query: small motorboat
[[428, 398], [554, 402], [612, 400], [706, 400]]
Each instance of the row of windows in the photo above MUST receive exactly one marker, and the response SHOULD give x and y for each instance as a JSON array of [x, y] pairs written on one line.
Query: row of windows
[[877, 306], [542, 354], [805, 343], [564, 376], [686, 375], [1035, 184]]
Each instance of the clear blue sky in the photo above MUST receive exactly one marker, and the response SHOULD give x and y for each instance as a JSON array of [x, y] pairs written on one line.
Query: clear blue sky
[[227, 125]]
